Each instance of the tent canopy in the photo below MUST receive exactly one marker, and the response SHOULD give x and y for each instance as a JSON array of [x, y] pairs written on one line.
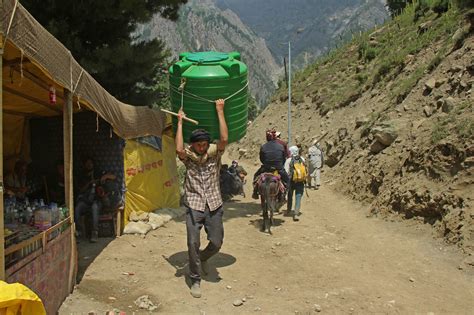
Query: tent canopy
[[34, 61]]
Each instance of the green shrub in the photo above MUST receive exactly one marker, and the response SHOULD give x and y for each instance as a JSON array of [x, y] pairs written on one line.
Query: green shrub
[[463, 4], [421, 8], [366, 52], [439, 132], [465, 128], [440, 6], [386, 67], [435, 62], [405, 86], [361, 78]]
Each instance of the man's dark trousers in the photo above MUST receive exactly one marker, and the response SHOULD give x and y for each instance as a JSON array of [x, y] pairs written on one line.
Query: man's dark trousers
[[214, 227]]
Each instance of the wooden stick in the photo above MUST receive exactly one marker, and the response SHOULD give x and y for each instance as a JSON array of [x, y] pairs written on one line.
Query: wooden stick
[[321, 138], [68, 181], [185, 118]]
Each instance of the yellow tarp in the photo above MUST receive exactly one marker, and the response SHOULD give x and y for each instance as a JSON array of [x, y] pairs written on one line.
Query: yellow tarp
[[151, 177], [17, 299]]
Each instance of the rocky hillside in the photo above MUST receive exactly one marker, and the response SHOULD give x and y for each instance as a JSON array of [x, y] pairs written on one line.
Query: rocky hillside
[[313, 27], [397, 105], [202, 26]]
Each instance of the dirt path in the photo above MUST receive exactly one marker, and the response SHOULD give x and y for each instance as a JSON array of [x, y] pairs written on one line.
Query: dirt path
[[335, 257]]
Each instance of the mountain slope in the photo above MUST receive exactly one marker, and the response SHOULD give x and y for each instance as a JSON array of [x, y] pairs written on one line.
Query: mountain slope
[[202, 26], [312, 27], [397, 106]]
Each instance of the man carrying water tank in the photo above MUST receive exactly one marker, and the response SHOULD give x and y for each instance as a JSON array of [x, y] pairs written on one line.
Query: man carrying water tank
[[202, 193]]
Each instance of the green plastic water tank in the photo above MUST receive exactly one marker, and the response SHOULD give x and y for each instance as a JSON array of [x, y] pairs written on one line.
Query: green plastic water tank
[[209, 76]]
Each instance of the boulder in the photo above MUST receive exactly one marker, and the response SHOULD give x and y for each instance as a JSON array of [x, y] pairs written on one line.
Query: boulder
[[439, 103], [448, 105], [376, 147], [430, 84], [428, 110], [440, 82], [456, 68], [423, 27], [342, 133], [361, 121], [384, 134], [242, 152]]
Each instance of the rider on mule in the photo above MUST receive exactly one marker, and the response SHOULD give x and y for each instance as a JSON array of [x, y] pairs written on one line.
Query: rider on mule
[[272, 156]]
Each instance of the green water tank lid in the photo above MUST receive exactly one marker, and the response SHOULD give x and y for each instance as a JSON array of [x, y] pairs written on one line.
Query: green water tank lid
[[207, 57]]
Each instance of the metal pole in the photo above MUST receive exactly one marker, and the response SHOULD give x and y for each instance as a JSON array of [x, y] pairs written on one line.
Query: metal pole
[[289, 93]]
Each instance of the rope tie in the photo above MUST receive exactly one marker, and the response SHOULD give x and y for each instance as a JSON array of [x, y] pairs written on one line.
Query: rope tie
[[78, 80], [197, 97], [78, 102], [181, 87], [97, 122], [111, 132], [10, 23]]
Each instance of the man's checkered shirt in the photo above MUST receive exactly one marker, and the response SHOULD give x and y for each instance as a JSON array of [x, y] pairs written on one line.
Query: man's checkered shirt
[[202, 185]]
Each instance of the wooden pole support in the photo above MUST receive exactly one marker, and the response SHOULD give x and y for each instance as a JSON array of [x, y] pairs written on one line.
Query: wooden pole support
[[2, 233], [68, 185], [2, 236], [185, 118]]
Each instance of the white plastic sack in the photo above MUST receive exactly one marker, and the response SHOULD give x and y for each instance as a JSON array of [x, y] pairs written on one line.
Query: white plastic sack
[[136, 228]]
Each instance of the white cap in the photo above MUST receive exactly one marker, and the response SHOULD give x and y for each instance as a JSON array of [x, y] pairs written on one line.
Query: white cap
[[294, 150]]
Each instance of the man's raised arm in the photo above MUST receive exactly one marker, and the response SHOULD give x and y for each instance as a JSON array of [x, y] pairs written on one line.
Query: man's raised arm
[[223, 131], [179, 136]]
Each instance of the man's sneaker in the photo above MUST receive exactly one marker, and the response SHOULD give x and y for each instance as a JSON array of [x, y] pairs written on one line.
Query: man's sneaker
[[94, 237], [196, 290], [295, 218], [205, 267]]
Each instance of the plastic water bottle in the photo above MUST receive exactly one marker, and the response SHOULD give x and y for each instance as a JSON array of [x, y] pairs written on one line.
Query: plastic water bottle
[[54, 213], [29, 215]]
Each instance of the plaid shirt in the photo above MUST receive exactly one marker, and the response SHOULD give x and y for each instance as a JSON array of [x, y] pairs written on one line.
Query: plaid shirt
[[202, 185]]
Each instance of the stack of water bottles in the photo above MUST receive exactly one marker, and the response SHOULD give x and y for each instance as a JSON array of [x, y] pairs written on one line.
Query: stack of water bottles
[[36, 213]]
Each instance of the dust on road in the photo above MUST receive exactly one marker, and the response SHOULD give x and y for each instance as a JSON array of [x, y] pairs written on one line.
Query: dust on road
[[335, 260]]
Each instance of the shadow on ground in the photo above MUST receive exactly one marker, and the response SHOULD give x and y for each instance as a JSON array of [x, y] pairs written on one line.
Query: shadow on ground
[[87, 252], [179, 261]]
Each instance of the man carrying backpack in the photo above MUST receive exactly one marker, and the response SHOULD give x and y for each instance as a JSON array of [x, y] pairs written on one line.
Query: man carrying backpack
[[296, 168]]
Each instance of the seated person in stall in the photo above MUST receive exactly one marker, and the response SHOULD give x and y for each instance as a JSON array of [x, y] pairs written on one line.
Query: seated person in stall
[[93, 196], [22, 183], [16, 181], [56, 184]]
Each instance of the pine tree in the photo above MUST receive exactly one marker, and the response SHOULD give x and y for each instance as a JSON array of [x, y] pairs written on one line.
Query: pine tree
[[395, 7], [100, 35]]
